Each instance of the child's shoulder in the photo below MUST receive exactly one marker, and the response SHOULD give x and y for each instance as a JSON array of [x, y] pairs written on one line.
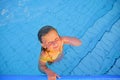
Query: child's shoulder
[[65, 39], [43, 57]]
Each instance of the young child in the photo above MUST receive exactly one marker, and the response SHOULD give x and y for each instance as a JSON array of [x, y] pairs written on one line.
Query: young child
[[52, 46]]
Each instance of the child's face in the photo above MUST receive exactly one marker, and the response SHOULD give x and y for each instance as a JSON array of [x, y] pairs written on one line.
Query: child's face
[[51, 41]]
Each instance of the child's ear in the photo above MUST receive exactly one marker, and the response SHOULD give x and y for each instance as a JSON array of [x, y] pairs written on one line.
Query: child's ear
[[43, 45]]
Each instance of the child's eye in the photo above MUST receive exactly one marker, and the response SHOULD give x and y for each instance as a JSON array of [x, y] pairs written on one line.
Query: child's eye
[[56, 39], [49, 43]]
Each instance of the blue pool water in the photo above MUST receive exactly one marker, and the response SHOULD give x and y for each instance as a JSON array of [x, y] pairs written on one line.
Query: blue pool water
[[95, 22]]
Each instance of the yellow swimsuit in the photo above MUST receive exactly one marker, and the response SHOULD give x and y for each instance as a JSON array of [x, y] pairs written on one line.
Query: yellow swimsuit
[[48, 58]]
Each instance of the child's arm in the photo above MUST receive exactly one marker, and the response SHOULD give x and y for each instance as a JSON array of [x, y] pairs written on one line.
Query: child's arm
[[51, 75], [72, 41]]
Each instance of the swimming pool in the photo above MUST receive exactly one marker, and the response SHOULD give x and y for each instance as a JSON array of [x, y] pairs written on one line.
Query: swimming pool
[[96, 23]]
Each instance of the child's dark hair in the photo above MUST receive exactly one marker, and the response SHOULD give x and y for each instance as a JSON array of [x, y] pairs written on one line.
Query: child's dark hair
[[43, 31]]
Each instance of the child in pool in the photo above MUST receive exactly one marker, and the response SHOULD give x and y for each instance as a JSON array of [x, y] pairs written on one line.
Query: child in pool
[[52, 45]]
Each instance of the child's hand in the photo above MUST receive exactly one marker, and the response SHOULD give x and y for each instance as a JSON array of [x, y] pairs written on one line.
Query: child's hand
[[52, 75]]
